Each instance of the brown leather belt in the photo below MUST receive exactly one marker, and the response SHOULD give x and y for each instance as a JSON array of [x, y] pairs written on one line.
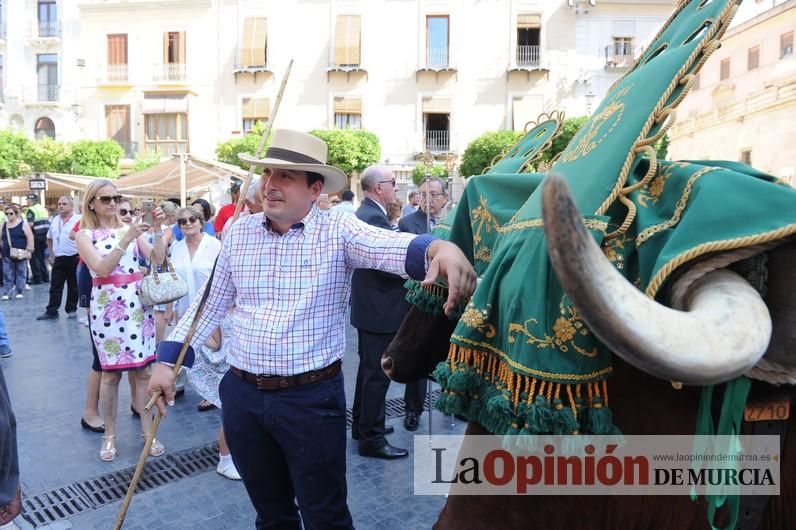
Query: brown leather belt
[[279, 382]]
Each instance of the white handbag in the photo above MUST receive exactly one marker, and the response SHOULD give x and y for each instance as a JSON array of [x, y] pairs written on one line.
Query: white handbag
[[163, 287]]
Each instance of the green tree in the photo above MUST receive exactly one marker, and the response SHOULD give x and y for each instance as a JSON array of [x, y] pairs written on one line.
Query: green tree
[[481, 151], [421, 170], [228, 151], [13, 148], [662, 147], [351, 150], [46, 154], [145, 160], [96, 158]]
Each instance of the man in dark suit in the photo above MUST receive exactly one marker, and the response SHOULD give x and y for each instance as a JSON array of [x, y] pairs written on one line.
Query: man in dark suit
[[378, 306], [433, 197]]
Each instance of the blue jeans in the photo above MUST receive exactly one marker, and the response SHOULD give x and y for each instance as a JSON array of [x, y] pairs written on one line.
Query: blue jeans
[[290, 444], [5, 346], [15, 274]]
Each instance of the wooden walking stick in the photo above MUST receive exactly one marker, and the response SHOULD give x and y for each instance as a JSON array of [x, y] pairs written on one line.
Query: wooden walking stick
[[199, 310]]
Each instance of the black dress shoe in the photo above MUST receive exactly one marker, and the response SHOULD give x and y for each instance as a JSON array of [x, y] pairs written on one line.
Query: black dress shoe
[[47, 316], [411, 421], [386, 452], [87, 425], [355, 432]]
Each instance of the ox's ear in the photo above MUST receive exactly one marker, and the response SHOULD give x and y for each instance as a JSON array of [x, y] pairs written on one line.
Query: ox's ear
[[722, 331]]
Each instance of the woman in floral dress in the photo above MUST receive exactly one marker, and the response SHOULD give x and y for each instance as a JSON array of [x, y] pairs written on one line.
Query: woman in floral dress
[[122, 328]]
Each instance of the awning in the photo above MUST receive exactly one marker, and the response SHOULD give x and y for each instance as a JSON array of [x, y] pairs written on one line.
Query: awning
[[347, 40], [57, 184], [165, 103], [529, 21], [252, 50], [437, 105], [347, 105], [163, 180], [256, 108]]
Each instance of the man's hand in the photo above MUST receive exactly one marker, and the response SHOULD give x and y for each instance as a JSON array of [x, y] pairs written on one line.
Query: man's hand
[[448, 261], [162, 382]]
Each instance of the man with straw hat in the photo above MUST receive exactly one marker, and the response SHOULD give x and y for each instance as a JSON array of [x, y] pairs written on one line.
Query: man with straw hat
[[286, 275]]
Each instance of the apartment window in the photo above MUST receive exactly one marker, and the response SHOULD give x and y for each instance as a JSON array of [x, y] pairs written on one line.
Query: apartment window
[[166, 123], [48, 18], [786, 44], [254, 110], [173, 67], [253, 43], [746, 156], [437, 41], [528, 31], [752, 58], [47, 73], [436, 124], [347, 40], [724, 69], [44, 128], [117, 121], [117, 57], [347, 113]]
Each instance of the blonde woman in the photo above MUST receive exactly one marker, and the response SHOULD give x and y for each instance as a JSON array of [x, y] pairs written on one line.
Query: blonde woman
[[122, 328]]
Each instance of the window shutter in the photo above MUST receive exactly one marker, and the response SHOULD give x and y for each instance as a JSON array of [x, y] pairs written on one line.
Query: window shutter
[[529, 21], [256, 108], [436, 105], [347, 105], [347, 40], [181, 47], [253, 42], [166, 47], [117, 49]]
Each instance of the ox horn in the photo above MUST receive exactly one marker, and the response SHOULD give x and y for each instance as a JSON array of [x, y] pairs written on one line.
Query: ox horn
[[722, 331]]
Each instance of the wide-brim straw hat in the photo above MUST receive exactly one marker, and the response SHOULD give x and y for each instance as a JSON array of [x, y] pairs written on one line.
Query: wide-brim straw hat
[[300, 151]]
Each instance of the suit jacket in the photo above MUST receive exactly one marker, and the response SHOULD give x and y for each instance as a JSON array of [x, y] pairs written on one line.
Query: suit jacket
[[415, 223], [378, 302]]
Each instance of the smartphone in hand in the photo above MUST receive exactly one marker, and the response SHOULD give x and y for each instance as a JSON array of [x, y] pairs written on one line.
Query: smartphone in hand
[[147, 216]]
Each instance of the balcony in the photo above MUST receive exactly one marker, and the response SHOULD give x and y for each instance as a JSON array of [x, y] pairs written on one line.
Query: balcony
[[437, 60], [345, 61], [243, 65], [437, 141], [621, 57], [45, 33], [48, 93], [48, 29], [529, 58], [168, 72], [113, 74]]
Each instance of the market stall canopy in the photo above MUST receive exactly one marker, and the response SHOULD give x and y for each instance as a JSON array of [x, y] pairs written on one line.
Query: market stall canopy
[[57, 184], [163, 180]]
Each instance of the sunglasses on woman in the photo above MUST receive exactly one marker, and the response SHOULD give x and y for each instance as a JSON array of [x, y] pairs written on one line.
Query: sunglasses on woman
[[124, 212], [11, 214], [190, 220], [106, 199]]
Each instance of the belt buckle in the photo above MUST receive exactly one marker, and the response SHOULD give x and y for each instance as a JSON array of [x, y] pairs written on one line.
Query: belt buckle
[[261, 378]]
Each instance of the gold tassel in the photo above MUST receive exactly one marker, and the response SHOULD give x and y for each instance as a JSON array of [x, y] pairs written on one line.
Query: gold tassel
[[531, 393], [605, 392], [572, 402]]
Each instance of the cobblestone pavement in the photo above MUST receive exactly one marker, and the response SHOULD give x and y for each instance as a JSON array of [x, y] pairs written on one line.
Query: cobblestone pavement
[[46, 379]]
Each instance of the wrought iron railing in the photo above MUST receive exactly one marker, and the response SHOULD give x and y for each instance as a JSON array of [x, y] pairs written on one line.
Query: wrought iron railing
[[528, 55], [48, 92], [168, 72], [437, 141], [49, 28], [437, 57], [115, 73], [242, 62], [621, 55]]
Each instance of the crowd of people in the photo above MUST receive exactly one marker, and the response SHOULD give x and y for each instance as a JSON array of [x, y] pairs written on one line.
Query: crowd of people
[[278, 284]]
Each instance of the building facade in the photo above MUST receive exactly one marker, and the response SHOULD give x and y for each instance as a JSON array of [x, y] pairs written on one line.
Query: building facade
[[183, 75], [743, 104]]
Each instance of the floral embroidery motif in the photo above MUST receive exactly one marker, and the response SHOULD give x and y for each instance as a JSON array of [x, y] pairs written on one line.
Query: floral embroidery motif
[[603, 123], [483, 222], [477, 319], [567, 328]]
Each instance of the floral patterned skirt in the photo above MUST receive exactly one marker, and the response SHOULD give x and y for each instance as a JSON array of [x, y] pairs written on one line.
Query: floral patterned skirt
[[122, 328]]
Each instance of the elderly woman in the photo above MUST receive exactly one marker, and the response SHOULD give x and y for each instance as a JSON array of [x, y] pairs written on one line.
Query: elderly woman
[[193, 259], [16, 234], [122, 328]]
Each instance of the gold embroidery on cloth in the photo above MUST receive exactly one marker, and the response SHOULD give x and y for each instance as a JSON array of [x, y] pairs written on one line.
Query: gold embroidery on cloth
[[603, 122], [612, 249], [591, 224], [482, 220], [477, 319], [567, 328]]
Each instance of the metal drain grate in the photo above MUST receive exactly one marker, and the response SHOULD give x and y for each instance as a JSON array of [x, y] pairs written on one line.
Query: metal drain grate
[[69, 501]]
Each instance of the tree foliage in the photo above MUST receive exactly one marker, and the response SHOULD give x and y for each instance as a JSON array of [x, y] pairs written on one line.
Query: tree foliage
[[228, 151], [481, 151], [20, 155], [421, 170], [568, 130], [351, 150], [145, 160]]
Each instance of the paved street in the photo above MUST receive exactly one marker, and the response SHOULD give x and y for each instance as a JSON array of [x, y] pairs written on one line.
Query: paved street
[[60, 465]]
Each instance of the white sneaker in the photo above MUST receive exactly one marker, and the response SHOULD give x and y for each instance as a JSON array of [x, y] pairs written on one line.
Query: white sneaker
[[228, 471], [19, 297], [73, 314], [5, 297], [27, 287]]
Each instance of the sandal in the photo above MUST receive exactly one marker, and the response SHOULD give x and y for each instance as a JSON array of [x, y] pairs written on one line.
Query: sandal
[[108, 449], [204, 406], [157, 448]]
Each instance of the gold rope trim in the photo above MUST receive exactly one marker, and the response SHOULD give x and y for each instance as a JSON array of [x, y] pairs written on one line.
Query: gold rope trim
[[715, 246], [591, 224], [682, 202], [524, 370]]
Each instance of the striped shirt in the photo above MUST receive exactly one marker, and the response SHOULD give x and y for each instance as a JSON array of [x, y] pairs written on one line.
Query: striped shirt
[[289, 293]]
